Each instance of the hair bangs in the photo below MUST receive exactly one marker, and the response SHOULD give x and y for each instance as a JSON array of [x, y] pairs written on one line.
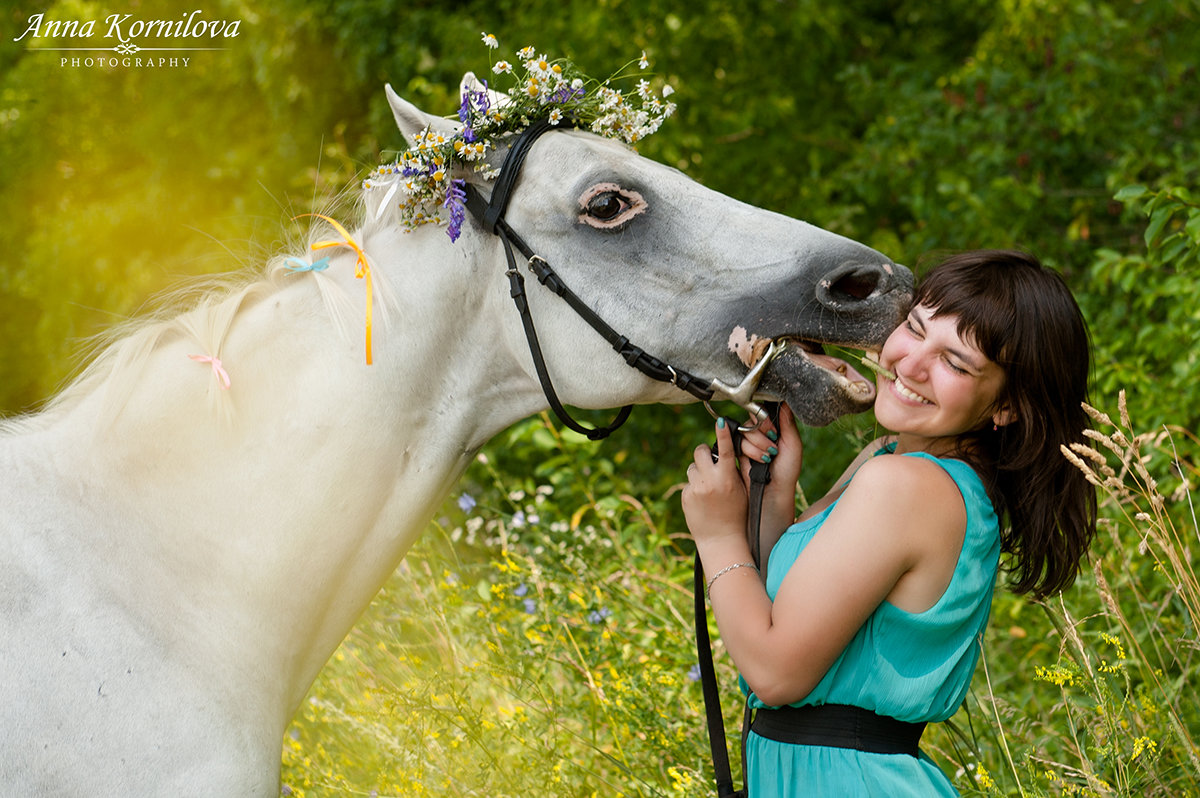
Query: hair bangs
[[982, 300]]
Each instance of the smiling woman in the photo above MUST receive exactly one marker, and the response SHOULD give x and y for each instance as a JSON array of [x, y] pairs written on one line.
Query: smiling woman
[[868, 620]]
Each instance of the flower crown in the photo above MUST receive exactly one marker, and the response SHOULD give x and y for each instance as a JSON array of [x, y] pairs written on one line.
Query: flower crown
[[420, 181]]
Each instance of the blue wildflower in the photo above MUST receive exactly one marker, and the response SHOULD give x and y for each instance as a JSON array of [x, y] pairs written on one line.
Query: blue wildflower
[[521, 590], [566, 93], [466, 502], [456, 199], [482, 101], [464, 109], [598, 616], [530, 606], [518, 518], [693, 673]]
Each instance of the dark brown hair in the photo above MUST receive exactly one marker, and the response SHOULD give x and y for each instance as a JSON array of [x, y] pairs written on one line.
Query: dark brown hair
[[1021, 315]]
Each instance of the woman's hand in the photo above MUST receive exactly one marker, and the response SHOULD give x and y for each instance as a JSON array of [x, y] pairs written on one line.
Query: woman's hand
[[714, 500], [786, 453]]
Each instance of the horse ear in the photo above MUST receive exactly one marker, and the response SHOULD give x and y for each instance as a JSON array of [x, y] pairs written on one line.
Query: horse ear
[[411, 119]]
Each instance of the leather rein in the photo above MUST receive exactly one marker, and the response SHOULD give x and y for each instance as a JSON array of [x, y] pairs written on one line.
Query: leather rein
[[490, 214]]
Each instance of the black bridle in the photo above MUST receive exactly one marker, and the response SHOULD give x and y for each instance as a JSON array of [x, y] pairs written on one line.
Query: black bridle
[[490, 214]]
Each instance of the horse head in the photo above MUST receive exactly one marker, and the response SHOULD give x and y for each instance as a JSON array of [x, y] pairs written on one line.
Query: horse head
[[700, 280]]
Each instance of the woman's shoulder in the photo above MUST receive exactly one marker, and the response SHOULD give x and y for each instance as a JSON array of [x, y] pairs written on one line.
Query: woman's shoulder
[[869, 451], [900, 468], [901, 482]]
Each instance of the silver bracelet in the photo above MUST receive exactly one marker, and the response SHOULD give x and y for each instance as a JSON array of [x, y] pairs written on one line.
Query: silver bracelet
[[725, 570]]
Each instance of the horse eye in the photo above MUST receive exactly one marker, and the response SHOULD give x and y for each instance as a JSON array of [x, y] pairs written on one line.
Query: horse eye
[[610, 206], [606, 206]]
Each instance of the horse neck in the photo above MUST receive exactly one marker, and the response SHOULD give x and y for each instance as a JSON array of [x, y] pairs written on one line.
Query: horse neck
[[253, 542]]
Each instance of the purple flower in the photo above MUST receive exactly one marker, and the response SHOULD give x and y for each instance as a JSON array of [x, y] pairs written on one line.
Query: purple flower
[[566, 94], [479, 99], [520, 590], [482, 101], [456, 198], [466, 502], [530, 606], [598, 616], [693, 673]]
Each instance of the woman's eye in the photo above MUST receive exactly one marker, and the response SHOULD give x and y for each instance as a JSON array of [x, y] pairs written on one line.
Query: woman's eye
[[606, 207], [955, 367]]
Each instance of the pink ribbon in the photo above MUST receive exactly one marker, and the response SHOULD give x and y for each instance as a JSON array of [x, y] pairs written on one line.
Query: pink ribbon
[[218, 369]]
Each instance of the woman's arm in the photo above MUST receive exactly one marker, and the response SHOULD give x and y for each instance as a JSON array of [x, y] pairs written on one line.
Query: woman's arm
[[890, 527]]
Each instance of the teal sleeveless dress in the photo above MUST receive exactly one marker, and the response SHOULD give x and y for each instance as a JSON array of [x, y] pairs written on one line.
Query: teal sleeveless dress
[[911, 666]]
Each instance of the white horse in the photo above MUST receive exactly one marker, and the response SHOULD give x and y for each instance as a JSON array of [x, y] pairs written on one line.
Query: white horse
[[180, 559]]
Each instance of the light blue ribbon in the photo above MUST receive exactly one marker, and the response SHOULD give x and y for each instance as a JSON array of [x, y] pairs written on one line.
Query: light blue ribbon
[[301, 266]]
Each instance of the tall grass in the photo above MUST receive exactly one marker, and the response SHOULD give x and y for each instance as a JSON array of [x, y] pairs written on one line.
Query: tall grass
[[1111, 710], [538, 642]]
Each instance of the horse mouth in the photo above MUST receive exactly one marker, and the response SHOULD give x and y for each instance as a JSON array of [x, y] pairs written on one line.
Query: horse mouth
[[817, 386]]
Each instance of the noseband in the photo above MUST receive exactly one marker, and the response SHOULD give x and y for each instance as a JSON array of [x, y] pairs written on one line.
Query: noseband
[[490, 214]]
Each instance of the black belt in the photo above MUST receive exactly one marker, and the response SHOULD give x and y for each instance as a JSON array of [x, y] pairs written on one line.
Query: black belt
[[838, 726]]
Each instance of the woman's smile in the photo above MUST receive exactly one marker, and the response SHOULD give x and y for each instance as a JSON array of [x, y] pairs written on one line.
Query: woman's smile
[[908, 393]]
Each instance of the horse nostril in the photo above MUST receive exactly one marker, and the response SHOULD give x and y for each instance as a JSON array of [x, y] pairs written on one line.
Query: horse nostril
[[852, 284], [857, 286]]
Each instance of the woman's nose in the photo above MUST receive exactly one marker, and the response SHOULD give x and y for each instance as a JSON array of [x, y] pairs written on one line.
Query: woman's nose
[[911, 365]]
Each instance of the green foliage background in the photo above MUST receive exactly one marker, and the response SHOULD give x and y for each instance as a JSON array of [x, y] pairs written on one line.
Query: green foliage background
[[1065, 127]]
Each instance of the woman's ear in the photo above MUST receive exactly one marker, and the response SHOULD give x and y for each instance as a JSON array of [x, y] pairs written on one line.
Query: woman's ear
[[1003, 417]]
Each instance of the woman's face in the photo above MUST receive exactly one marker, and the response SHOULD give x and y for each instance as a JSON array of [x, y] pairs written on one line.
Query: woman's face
[[944, 385]]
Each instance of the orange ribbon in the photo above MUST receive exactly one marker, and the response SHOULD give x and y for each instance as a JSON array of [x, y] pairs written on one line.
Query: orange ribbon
[[362, 269]]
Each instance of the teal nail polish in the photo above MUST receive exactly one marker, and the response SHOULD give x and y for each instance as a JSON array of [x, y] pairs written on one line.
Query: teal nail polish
[[766, 458], [772, 434], [721, 423], [771, 450]]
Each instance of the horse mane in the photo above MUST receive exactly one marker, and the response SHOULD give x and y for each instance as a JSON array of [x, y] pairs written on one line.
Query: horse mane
[[202, 310]]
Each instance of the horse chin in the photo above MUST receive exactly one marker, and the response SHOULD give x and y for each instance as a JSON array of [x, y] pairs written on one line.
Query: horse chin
[[818, 388]]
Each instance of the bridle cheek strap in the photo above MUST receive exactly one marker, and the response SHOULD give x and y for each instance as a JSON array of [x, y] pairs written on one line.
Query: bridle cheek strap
[[490, 214], [517, 290]]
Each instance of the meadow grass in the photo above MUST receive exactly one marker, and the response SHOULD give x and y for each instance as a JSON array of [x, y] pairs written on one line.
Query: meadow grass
[[538, 640]]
